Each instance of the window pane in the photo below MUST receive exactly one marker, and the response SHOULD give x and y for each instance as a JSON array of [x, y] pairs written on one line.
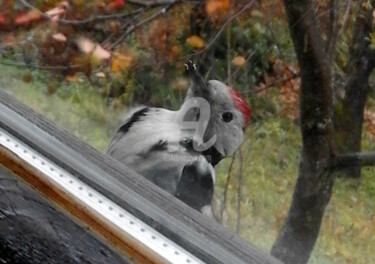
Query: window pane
[[303, 73]]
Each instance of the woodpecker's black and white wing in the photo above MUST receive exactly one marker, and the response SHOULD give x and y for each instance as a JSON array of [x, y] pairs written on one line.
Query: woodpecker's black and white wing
[[152, 143]]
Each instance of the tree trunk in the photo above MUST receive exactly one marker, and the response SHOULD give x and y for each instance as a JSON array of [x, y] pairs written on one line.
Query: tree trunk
[[348, 118], [313, 189]]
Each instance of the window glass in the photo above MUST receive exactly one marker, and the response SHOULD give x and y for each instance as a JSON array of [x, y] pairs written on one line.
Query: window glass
[[87, 64]]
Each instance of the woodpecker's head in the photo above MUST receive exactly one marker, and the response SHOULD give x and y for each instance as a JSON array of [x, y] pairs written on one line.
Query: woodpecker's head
[[230, 113]]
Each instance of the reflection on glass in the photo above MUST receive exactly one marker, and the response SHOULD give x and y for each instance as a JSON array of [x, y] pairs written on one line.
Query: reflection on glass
[[85, 64]]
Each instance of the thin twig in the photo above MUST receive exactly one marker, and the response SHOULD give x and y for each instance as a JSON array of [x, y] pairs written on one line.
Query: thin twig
[[133, 19], [139, 24], [272, 84], [239, 192], [84, 21], [229, 71], [156, 3], [54, 68], [225, 194], [234, 75], [268, 25], [291, 27], [332, 31], [217, 35], [346, 17]]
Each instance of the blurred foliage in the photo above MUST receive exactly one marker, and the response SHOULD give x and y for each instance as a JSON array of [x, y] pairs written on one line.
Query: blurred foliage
[[147, 66], [74, 74]]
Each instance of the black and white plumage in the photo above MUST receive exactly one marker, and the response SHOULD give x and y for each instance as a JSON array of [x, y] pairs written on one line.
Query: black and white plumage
[[155, 143]]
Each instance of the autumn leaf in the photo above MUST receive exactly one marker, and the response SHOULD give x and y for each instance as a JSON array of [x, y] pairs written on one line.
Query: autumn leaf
[[115, 4], [87, 46], [366, 6], [73, 78], [26, 18], [238, 61], [114, 27], [58, 10], [180, 84], [8, 39], [215, 7], [59, 37], [256, 13], [55, 12], [2, 19], [78, 2], [121, 62], [195, 41], [100, 74]]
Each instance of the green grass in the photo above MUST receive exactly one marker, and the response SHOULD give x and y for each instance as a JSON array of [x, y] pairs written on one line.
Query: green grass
[[77, 107], [270, 161], [270, 158]]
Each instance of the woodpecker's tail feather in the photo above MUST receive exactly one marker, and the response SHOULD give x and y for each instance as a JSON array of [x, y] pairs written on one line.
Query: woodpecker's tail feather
[[196, 185]]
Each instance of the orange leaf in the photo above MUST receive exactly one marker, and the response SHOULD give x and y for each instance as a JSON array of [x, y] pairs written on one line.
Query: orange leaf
[[21, 18], [121, 62], [195, 41], [72, 78], [2, 19], [9, 39], [26, 18], [239, 61], [115, 4], [213, 7], [34, 14]]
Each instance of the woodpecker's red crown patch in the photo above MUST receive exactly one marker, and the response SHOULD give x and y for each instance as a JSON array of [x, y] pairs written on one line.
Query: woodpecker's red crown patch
[[241, 105]]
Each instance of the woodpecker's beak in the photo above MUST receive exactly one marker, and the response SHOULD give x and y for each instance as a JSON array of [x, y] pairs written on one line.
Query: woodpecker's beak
[[199, 85]]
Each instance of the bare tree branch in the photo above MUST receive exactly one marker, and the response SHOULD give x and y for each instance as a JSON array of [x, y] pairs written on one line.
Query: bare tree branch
[[332, 31], [234, 75], [229, 175], [230, 19], [239, 192], [229, 70], [272, 84], [34, 66], [155, 3], [346, 17], [84, 21], [354, 159], [269, 27], [349, 108], [141, 23], [371, 56]]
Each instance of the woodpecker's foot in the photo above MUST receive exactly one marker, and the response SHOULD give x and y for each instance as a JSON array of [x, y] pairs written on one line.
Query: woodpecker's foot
[[190, 66], [199, 85]]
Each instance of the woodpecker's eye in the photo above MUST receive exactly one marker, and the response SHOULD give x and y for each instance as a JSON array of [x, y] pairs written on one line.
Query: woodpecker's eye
[[227, 117]]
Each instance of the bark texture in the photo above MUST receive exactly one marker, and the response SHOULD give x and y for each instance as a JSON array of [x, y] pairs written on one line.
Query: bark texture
[[348, 118], [313, 189]]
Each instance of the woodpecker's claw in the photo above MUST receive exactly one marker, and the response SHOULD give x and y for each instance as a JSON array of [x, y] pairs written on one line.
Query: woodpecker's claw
[[189, 66], [199, 85]]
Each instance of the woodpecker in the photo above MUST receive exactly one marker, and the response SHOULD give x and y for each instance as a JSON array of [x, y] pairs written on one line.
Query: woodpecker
[[177, 150]]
